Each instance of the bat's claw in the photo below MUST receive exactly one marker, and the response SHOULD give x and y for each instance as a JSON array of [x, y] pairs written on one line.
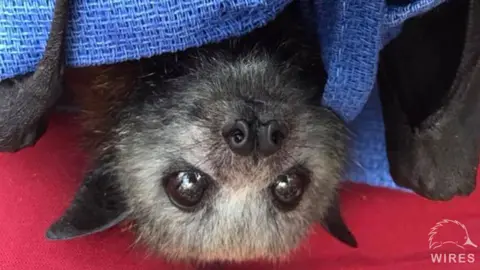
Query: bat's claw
[[23, 138]]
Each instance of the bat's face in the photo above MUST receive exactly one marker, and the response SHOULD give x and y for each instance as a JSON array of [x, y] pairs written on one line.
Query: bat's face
[[232, 164]]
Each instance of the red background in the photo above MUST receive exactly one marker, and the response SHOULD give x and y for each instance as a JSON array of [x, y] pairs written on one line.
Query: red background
[[37, 184]]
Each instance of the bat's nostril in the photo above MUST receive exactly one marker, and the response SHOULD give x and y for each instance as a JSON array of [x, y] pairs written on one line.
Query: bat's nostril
[[239, 137]]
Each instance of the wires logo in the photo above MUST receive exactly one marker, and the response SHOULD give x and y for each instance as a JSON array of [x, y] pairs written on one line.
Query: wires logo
[[448, 241]]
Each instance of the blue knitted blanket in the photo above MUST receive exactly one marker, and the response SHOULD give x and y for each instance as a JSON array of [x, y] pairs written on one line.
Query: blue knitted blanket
[[352, 32]]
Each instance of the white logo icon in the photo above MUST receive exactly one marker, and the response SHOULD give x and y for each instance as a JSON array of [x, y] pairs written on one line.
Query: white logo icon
[[461, 240]]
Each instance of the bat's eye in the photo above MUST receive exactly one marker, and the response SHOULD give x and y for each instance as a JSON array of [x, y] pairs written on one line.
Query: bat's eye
[[287, 190], [186, 189]]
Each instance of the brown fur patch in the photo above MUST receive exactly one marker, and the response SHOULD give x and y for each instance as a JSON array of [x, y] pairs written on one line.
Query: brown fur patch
[[99, 91]]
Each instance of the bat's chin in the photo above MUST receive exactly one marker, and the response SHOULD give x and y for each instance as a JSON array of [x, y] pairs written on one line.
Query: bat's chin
[[225, 255], [237, 241]]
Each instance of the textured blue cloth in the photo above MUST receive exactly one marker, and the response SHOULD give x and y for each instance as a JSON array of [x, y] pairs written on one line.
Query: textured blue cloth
[[108, 31]]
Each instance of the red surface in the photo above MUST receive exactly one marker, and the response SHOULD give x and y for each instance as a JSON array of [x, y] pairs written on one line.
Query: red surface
[[37, 184]]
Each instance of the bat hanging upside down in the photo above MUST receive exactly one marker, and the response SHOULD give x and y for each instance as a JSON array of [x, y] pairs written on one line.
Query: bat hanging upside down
[[217, 153], [222, 152]]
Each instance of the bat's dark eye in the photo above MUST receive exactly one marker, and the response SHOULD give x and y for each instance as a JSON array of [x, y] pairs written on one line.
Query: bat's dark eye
[[186, 189], [287, 190]]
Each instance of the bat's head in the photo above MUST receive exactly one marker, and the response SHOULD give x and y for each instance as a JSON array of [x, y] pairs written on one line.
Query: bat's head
[[235, 163], [230, 162]]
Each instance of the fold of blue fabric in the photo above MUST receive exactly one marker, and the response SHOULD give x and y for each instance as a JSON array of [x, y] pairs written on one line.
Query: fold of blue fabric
[[352, 33]]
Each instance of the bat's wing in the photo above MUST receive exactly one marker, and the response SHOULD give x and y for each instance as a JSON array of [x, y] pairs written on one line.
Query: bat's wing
[[429, 81], [26, 99]]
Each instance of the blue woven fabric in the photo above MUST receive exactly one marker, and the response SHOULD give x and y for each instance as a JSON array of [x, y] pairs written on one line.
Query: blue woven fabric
[[352, 32]]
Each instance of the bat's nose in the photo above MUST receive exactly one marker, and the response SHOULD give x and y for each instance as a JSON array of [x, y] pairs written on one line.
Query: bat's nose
[[244, 137]]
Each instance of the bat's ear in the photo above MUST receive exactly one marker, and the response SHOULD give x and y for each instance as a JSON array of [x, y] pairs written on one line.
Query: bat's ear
[[97, 206], [335, 225]]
